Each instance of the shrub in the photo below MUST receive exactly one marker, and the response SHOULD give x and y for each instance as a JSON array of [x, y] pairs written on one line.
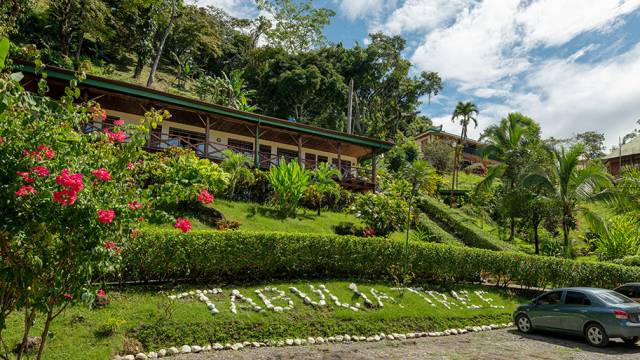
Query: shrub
[[289, 181], [428, 230], [456, 223], [617, 238], [384, 213], [551, 247], [349, 228], [633, 260], [238, 255], [439, 154]]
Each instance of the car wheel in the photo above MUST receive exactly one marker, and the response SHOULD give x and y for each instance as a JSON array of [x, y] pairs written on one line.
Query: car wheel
[[596, 336], [524, 324], [631, 340]]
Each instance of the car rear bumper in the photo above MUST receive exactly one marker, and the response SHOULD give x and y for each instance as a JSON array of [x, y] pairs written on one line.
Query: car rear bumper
[[624, 328]]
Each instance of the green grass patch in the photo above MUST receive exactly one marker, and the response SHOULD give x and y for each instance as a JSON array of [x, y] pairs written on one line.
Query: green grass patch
[[148, 316], [465, 181]]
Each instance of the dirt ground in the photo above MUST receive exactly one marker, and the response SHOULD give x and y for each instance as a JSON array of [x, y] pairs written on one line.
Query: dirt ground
[[497, 344]]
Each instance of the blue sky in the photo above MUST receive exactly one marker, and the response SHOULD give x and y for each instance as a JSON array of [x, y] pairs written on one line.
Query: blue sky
[[572, 65]]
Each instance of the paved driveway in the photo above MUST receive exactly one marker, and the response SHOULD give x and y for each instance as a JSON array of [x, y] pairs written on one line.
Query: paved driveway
[[497, 344]]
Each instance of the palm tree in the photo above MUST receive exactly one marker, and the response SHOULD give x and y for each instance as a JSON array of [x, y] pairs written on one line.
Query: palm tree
[[237, 166], [464, 112], [323, 178], [505, 142], [569, 184]]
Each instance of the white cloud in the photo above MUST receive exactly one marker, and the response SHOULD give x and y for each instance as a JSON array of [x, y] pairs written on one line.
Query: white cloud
[[359, 9], [478, 48], [554, 22], [421, 15], [245, 9]]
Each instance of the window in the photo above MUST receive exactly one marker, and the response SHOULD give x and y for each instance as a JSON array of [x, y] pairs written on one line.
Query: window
[[186, 139], [155, 138], [613, 298], [288, 155], [322, 159], [627, 291], [310, 160], [265, 155], [552, 298], [239, 146], [576, 298]]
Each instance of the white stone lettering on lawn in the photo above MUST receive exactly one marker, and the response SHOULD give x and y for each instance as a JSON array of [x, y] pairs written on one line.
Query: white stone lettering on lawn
[[307, 300], [336, 301], [280, 296], [235, 295]]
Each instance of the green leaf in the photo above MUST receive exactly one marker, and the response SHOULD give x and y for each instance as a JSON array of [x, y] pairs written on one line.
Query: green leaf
[[4, 51]]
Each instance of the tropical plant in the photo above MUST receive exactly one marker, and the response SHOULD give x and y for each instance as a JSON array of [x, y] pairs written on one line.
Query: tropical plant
[[236, 165], [323, 177], [225, 90], [439, 154], [568, 184], [466, 113], [289, 181], [616, 238], [384, 213]]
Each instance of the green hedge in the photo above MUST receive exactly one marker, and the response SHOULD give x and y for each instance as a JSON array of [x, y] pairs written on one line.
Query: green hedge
[[211, 256], [633, 260], [461, 225], [437, 233]]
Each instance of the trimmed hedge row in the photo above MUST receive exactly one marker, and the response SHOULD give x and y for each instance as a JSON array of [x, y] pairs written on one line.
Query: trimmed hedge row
[[459, 225], [633, 260], [212, 256], [437, 233]]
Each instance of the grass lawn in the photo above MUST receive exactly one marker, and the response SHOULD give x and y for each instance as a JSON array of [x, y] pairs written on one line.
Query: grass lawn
[[465, 181], [149, 316]]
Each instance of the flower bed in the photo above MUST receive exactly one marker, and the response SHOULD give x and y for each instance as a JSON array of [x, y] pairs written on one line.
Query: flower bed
[[237, 255]]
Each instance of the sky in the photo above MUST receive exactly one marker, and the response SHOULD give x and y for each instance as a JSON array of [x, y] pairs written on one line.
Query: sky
[[571, 65]]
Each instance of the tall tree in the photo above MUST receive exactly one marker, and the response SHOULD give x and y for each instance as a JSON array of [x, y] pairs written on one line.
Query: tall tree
[[465, 113], [74, 18], [297, 25], [433, 83], [569, 184], [167, 30], [593, 143]]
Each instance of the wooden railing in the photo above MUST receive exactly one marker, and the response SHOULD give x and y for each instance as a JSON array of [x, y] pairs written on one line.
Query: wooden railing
[[215, 151]]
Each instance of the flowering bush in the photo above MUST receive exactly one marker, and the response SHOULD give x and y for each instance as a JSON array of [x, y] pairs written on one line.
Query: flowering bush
[[65, 215], [382, 213]]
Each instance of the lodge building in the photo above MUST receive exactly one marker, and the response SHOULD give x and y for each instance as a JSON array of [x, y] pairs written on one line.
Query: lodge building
[[210, 129]]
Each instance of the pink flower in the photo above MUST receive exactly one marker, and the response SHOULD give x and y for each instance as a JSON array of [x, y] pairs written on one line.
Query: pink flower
[[40, 171], [205, 197], [65, 197], [135, 205], [109, 245], [130, 165], [68, 296], [183, 224], [70, 182], [25, 190], [46, 152], [106, 216], [2, 140], [101, 293], [118, 136], [102, 174], [118, 122], [141, 219], [25, 177]]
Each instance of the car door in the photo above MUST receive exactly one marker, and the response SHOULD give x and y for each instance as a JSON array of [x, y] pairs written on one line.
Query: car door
[[575, 311], [546, 311]]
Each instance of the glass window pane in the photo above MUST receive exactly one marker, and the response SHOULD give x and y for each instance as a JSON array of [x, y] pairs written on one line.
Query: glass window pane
[[576, 298]]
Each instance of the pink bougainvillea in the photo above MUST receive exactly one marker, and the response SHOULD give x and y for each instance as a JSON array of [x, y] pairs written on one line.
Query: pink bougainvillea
[[25, 190], [68, 296], [130, 165], [135, 205], [110, 245], [102, 174], [205, 197], [106, 216], [70, 182], [25, 176], [183, 224], [40, 171], [101, 293], [65, 197], [118, 122]]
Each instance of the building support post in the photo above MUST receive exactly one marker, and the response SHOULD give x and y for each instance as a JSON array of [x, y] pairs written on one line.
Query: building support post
[[256, 148], [206, 138], [374, 175], [300, 159], [339, 151]]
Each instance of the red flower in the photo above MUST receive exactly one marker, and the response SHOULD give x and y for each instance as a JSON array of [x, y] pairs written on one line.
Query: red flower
[[118, 122], [183, 224], [40, 171], [68, 296], [25, 177], [102, 174], [2, 140], [70, 182], [25, 190], [118, 136], [205, 197], [45, 151], [134, 205], [141, 219], [109, 245], [101, 293], [130, 165], [106, 216], [65, 197], [369, 232]]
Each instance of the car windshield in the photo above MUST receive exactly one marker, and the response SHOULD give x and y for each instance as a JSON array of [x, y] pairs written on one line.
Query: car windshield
[[613, 298]]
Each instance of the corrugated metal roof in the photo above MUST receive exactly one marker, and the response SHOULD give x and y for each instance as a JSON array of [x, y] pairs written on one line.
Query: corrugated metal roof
[[630, 148]]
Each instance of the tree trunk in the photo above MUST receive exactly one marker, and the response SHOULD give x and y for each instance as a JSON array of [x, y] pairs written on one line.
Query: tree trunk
[[79, 49], [536, 240], [28, 321], [161, 47], [565, 233], [319, 204], [45, 333], [453, 175], [139, 67]]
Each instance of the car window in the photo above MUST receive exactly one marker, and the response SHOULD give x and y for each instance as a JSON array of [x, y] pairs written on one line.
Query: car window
[[576, 298], [626, 291], [551, 298], [613, 298]]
